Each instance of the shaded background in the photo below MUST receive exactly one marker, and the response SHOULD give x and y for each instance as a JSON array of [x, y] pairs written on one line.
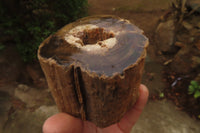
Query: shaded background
[[173, 60]]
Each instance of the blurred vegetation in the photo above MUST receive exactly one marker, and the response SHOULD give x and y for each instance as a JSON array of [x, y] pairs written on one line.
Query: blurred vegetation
[[1, 46], [29, 22], [194, 88], [179, 9]]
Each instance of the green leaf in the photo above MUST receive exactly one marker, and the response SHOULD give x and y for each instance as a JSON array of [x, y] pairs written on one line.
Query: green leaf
[[196, 86], [162, 95], [50, 24], [194, 83], [46, 32], [34, 30], [197, 94], [191, 89]]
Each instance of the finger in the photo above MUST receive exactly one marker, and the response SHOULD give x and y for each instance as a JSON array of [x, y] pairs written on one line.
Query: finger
[[62, 123], [130, 118]]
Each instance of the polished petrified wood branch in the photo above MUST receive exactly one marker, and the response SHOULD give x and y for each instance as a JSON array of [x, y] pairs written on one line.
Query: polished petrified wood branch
[[94, 67]]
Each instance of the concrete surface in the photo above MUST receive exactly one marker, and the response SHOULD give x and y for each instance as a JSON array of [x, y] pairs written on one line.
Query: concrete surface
[[163, 117]]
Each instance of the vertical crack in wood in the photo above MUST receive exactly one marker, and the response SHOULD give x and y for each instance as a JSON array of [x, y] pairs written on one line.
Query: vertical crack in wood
[[79, 91]]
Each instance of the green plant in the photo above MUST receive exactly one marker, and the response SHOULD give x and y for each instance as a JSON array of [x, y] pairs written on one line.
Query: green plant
[[194, 88], [1, 46], [29, 22], [161, 95]]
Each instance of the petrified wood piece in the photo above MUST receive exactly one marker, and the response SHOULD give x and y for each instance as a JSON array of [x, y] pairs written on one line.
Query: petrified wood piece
[[94, 67]]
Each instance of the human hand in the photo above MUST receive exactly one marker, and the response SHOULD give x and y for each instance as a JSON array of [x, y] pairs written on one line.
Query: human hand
[[65, 123]]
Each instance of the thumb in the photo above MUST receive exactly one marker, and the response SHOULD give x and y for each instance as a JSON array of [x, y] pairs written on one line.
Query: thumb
[[62, 123]]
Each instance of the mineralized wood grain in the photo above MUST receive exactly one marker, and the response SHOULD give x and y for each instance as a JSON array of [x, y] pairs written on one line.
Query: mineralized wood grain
[[94, 66]]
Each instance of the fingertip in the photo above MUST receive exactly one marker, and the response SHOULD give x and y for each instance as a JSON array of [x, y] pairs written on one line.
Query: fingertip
[[62, 123], [143, 98], [144, 91]]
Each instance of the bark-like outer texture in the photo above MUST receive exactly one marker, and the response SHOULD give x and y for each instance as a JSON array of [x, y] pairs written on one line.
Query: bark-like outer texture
[[102, 100]]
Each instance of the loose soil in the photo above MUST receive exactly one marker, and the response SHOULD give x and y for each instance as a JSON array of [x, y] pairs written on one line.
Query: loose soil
[[177, 91]]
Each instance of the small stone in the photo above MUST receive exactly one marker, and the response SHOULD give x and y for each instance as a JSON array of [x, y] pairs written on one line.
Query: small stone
[[165, 36], [179, 44], [23, 87], [47, 111], [187, 25], [167, 62]]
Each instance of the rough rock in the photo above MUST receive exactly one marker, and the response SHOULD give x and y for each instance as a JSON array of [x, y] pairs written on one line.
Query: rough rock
[[31, 96], [23, 87], [165, 36], [24, 121], [186, 60], [46, 110]]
